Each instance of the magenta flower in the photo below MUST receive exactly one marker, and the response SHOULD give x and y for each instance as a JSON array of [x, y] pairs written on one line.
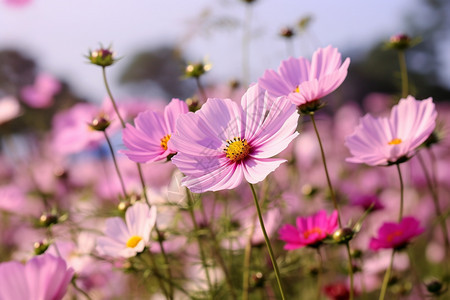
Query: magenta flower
[[385, 141], [310, 231], [42, 277], [223, 143], [396, 235], [303, 81], [149, 141]]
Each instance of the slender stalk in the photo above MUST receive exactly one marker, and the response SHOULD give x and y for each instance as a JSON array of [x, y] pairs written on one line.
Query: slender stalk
[[400, 213], [116, 166], [153, 266], [108, 90], [403, 72], [141, 177], [266, 238], [324, 161], [415, 274], [437, 208], [336, 207], [247, 257], [319, 273], [201, 89], [218, 255], [200, 245], [80, 290], [386, 278]]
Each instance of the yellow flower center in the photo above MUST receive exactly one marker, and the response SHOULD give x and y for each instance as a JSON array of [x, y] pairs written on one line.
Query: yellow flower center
[[307, 233], [297, 90], [133, 241], [164, 141], [237, 149], [395, 141]]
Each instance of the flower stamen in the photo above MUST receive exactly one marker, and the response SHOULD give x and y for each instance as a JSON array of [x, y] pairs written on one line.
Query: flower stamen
[[133, 241], [237, 149], [164, 141], [395, 141], [308, 232]]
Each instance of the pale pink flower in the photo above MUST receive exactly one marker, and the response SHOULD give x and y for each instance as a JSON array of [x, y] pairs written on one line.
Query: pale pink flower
[[42, 277], [309, 231], [129, 237], [149, 140], [42, 92], [385, 141], [223, 143], [303, 81]]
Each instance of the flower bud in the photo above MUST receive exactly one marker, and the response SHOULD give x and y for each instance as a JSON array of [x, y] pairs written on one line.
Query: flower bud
[[196, 70], [435, 287], [257, 280], [40, 247], [287, 32], [193, 104], [399, 42], [48, 219], [101, 57], [343, 235], [100, 123]]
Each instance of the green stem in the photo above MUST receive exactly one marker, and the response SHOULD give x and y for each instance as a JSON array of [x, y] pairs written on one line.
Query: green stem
[[124, 191], [404, 73], [153, 266], [108, 90], [201, 89], [335, 204], [141, 176], [200, 245], [400, 213], [266, 238], [218, 256], [324, 161], [319, 273], [437, 208], [386, 278], [247, 257], [80, 290]]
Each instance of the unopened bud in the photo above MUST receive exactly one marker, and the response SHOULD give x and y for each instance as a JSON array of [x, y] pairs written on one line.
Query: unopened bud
[[196, 70], [399, 42], [343, 235], [40, 247], [101, 57], [287, 32], [435, 287], [257, 280], [100, 123], [48, 219], [193, 104]]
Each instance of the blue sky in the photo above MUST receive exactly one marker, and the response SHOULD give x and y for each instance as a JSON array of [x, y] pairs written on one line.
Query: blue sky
[[58, 33]]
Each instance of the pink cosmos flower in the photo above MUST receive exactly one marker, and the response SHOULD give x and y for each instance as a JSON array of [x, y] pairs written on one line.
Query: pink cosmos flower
[[41, 93], [303, 81], [9, 109], [223, 143], [17, 3], [396, 235], [126, 239], [42, 277], [310, 231], [385, 141], [149, 141]]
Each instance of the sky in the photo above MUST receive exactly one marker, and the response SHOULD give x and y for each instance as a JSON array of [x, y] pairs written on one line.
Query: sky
[[57, 33]]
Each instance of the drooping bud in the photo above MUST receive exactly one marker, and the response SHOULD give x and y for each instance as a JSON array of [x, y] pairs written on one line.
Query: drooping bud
[[304, 23], [435, 287], [102, 57]]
